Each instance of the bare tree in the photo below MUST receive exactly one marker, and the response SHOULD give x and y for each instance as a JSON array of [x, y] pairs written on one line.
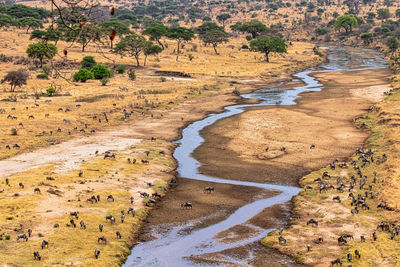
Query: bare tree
[[16, 78]]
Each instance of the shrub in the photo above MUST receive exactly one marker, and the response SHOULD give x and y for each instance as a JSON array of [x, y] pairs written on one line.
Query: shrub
[[120, 69], [88, 63], [245, 46], [104, 81], [56, 225], [191, 57], [101, 71], [50, 91], [132, 75], [7, 237], [83, 75], [40, 235], [14, 131], [163, 79], [46, 70], [42, 76]]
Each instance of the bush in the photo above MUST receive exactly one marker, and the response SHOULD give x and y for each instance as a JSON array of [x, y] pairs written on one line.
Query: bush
[[50, 91], [83, 75], [249, 37], [163, 79], [56, 225], [104, 81], [42, 76], [101, 71], [46, 70], [14, 131], [245, 46], [120, 69], [88, 63], [132, 75]]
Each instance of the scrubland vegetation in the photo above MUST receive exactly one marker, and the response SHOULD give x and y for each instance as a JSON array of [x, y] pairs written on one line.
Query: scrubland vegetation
[[69, 71]]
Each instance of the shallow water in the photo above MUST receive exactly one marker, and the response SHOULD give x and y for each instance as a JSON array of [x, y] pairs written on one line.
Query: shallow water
[[173, 247]]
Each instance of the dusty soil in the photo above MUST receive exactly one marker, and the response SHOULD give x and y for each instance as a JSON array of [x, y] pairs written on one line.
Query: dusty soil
[[322, 118]]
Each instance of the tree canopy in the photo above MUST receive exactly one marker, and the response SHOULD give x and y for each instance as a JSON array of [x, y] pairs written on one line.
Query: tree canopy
[[180, 34], [268, 44], [211, 33], [41, 50], [132, 45], [156, 33], [346, 22], [253, 27]]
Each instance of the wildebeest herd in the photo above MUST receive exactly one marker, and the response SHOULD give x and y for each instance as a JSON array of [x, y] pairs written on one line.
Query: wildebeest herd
[[359, 190]]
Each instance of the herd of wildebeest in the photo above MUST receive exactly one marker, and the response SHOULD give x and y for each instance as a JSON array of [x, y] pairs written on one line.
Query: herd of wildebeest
[[358, 199]]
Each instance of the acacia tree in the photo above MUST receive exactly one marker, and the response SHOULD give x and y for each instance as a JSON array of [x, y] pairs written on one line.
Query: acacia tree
[[41, 50], [222, 18], [151, 49], [84, 34], [132, 44], [211, 33], [268, 44], [156, 33], [346, 22], [114, 26], [180, 34], [50, 34], [253, 27], [15, 78], [30, 22]]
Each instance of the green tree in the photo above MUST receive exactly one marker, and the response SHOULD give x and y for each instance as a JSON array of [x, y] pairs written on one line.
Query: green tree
[[7, 20], [83, 75], [100, 71], [367, 38], [83, 35], [151, 49], [156, 33], [180, 34], [30, 22], [41, 50], [222, 18], [397, 13], [253, 27], [268, 44], [132, 45], [383, 13], [346, 22], [392, 43], [50, 34], [211, 33], [114, 25]]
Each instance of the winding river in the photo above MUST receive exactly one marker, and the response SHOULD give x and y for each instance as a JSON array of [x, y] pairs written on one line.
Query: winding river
[[173, 248]]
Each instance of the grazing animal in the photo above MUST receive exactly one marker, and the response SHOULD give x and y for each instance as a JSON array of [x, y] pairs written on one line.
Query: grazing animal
[[357, 253], [150, 202], [111, 218], [7, 181], [83, 226], [132, 199], [36, 255], [74, 214], [101, 227], [282, 240], [312, 146], [72, 223], [374, 236], [96, 253], [131, 210], [144, 194], [110, 198], [319, 240], [145, 161], [22, 236], [186, 205], [118, 235], [349, 257], [312, 222], [21, 185], [362, 238], [80, 173], [308, 248], [156, 195], [102, 239], [336, 262], [36, 190], [122, 218], [337, 198], [209, 189], [45, 243], [29, 232], [341, 240]]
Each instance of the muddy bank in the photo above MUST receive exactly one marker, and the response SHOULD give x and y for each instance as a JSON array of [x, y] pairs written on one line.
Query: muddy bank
[[235, 148]]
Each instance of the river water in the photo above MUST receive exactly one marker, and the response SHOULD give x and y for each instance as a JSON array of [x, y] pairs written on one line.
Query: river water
[[174, 247]]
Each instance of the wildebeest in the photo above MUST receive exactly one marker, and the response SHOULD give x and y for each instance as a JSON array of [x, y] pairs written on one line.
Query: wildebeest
[[319, 240], [110, 198], [118, 235], [131, 210], [36, 190], [357, 253], [186, 205], [83, 225], [22, 236], [29, 232], [102, 239], [36, 255], [111, 218], [349, 257], [96, 253], [156, 195], [101, 227], [312, 222], [337, 198], [208, 189], [281, 240], [336, 262], [144, 194], [74, 214], [45, 243]]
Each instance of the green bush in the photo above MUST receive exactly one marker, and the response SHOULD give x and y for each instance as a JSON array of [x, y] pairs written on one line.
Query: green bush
[[88, 63], [120, 69], [50, 91], [83, 75], [101, 71], [42, 76], [132, 75], [245, 46], [46, 70]]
